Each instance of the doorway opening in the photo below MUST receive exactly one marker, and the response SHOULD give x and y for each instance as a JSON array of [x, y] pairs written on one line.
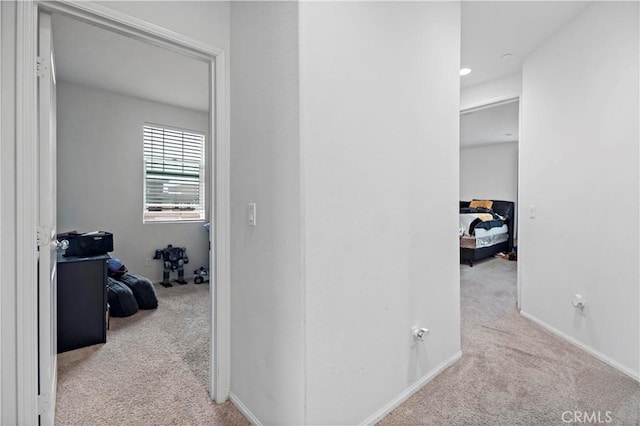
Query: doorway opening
[[489, 174], [489, 163], [489, 159], [133, 134], [38, 386]]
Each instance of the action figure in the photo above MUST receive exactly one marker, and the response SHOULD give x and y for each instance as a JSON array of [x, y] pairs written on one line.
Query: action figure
[[173, 258]]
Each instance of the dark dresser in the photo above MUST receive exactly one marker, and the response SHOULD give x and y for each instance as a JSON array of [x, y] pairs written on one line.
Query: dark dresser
[[82, 301]]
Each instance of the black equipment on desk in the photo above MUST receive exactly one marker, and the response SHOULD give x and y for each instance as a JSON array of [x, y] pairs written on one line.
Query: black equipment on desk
[[88, 244]]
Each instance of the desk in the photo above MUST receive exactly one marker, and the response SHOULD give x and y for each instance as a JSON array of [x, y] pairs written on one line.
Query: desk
[[82, 301]]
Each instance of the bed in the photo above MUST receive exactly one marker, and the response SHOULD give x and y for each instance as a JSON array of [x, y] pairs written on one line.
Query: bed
[[486, 228]]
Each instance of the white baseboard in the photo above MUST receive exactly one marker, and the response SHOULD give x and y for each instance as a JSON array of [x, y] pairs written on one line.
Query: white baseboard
[[244, 410], [376, 417], [599, 355], [395, 402]]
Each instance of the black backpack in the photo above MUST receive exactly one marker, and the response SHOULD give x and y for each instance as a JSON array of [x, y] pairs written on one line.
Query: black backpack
[[122, 303]]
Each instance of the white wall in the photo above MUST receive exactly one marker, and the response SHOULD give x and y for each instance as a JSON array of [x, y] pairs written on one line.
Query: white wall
[[100, 175], [380, 161], [8, 342], [267, 342], [579, 168], [205, 21], [329, 283], [489, 172]]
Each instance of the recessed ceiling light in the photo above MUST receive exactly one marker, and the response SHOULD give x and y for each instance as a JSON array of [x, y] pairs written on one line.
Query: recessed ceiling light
[[465, 71], [506, 56]]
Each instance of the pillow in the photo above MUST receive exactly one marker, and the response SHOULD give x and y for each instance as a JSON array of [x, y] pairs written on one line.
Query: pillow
[[487, 204]]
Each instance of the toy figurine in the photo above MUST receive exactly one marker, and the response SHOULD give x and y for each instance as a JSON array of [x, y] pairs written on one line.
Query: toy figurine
[[174, 258]]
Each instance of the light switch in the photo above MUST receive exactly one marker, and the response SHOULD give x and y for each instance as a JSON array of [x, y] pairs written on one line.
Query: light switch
[[532, 211], [252, 214]]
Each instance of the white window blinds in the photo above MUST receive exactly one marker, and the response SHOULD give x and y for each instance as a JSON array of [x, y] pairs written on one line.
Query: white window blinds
[[174, 174]]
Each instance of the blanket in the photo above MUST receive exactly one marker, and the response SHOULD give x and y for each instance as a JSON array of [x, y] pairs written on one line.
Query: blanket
[[473, 218]]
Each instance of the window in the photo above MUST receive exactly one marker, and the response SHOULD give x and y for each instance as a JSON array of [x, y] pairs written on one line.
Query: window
[[173, 174]]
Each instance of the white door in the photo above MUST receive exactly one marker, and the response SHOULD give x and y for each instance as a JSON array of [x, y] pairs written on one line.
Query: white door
[[47, 244]]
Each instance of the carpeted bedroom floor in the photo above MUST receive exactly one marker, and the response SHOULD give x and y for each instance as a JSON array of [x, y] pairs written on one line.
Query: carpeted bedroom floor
[[154, 369], [513, 372]]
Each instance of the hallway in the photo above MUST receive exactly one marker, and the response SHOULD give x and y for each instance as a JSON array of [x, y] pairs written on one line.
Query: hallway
[[513, 372]]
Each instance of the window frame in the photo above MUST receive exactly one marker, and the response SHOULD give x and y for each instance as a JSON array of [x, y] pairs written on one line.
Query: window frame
[[175, 214]]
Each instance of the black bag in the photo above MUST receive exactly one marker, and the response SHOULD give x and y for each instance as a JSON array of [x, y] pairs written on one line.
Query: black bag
[[122, 303], [142, 290], [89, 244]]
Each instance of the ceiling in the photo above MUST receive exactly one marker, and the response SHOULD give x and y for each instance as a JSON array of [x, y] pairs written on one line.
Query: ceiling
[[492, 29], [92, 56], [496, 124]]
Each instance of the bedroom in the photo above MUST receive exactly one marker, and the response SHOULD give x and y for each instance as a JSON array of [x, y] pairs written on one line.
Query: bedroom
[[127, 154], [488, 181], [106, 95]]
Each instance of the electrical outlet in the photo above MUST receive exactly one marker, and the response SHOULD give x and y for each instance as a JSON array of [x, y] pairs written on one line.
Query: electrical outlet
[[251, 213], [578, 302], [419, 333]]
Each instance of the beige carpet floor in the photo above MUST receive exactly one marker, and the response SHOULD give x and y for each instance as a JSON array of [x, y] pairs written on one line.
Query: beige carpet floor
[[153, 370], [513, 372]]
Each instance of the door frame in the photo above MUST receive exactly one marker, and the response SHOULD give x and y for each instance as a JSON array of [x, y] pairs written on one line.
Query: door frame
[[27, 201], [501, 100], [1, 339], [47, 267]]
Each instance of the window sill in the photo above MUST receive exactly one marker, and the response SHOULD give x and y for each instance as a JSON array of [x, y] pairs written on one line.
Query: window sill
[[172, 217]]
